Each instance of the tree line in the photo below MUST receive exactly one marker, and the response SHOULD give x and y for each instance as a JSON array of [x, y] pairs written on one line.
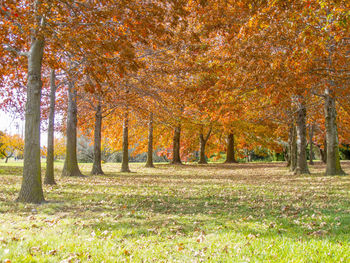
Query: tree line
[[177, 75]]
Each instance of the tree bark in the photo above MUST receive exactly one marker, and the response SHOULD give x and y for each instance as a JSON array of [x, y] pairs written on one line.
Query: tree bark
[[31, 188], [125, 157], [333, 158], [49, 174], [202, 143], [96, 166], [323, 151], [286, 155], [302, 167], [149, 162], [230, 150], [311, 135], [176, 145], [293, 148], [71, 167]]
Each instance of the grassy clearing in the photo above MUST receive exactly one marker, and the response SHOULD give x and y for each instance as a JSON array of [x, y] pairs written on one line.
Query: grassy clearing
[[210, 213]]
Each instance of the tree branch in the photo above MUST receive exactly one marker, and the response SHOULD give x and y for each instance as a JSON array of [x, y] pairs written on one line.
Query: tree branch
[[12, 49]]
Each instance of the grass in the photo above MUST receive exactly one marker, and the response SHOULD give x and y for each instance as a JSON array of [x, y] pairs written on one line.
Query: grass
[[210, 213]]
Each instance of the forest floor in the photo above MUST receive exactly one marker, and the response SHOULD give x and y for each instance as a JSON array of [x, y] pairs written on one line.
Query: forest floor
[[255, 212]]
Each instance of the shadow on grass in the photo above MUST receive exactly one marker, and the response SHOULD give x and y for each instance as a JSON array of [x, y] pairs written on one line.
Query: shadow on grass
[[185, 216], [308, 207], [11, 170], [242, 211]]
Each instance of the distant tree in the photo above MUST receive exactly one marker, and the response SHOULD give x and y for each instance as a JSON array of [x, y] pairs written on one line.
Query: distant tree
[[10, 145]]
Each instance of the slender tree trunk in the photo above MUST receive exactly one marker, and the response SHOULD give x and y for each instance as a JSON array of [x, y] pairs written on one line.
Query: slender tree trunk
[[230, 150], [302, 167], [31, 188], [333, 158], [202, 143], [293, 148], [288, 150], [6, 160], [311, 135], [323, 151], [125, 158], [96, 166], [49, 175], [71, 167], [176, 145], [286, 155], [149, 162]]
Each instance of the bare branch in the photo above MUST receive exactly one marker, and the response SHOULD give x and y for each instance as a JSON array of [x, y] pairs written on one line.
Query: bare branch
[[12, 49]]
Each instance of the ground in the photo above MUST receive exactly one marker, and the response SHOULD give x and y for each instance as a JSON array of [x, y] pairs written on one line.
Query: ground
[[254, 212]]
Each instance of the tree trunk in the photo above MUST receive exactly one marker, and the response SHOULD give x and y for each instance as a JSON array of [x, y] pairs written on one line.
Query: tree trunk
[[323, 151], [176, 145], [125, 157], [96, 166], [31, 188], [71, 167], [49, 175], [311, 135], [6, 160], [230, 150], [202, 143], [149, 162], [333, 158], [286, 155], [302, 167], [293, 148]]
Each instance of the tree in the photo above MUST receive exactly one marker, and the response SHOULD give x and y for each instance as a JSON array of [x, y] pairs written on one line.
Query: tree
[[71, 167], [149, 161], [230, 149], [49, 174], [10, 145], [96, 166], [203, 139]]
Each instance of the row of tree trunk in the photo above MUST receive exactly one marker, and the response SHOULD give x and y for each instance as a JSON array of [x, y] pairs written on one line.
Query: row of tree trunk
[[298, 140], [31, 190], [71, 164]]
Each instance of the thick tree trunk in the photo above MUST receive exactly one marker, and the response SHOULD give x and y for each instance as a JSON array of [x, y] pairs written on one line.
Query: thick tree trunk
[[176, 145], [302, 167], [71, 167], [333, 158], [149, 162], [49, 175], [31, 188], [230, 150], [96, 166], [125, 157], [311, 143]]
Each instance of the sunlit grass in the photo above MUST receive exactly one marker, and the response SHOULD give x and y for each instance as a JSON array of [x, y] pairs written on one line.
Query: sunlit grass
[[211, 213]]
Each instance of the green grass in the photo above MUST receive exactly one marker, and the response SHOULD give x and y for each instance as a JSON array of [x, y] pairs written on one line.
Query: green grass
[[212, 213]]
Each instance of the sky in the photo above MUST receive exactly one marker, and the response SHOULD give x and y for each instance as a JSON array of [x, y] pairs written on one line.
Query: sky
[[13, 125]]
